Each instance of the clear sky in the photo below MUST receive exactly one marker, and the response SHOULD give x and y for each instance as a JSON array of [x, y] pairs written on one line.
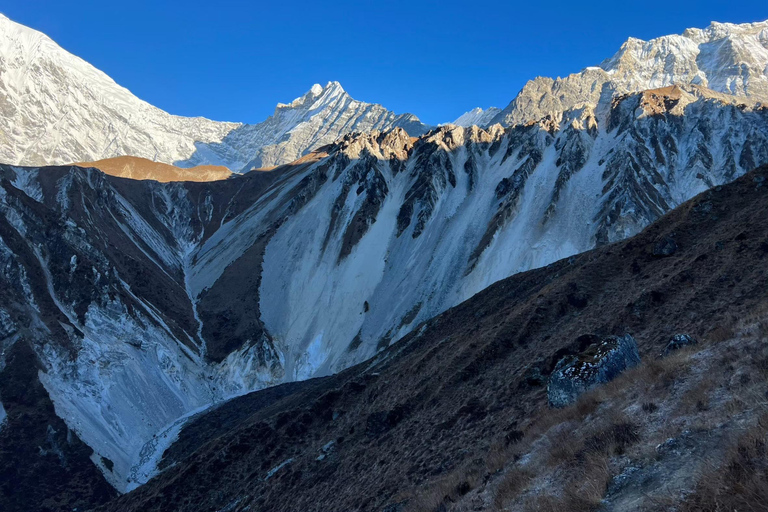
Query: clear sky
[[234, 60]]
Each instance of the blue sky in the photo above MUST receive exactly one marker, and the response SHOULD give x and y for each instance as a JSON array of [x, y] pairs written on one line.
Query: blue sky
[[234, 60]]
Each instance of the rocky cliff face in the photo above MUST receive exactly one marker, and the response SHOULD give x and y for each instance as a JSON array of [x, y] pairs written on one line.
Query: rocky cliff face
[[55, 108], [724, 57]]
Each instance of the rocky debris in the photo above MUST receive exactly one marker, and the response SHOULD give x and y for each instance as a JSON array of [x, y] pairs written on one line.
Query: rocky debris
[[672, 469], [599, 363], [677, 342], [664, 247], [326, 450]]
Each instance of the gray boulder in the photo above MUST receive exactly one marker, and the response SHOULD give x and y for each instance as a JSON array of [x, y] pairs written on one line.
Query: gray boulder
[[677, 342], [600, 363]]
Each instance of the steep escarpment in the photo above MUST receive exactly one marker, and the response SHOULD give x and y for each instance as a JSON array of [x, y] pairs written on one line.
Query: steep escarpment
[[95, 270], [445, 416], [468, 207]]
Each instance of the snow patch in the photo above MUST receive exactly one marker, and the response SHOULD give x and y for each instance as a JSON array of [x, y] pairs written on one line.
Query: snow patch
[[26, 181]]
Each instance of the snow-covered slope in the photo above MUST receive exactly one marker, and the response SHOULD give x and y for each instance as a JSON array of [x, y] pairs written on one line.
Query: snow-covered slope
[[55, 108], [315, 119], [477, 117]]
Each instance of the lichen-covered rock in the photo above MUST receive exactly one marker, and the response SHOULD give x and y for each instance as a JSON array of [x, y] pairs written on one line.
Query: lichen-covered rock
[[677, 342], [599, 363]]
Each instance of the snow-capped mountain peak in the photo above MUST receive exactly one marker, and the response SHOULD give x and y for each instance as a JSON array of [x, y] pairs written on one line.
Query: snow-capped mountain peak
[[314, 95], [726, 58], [317, 118], [58, 109]]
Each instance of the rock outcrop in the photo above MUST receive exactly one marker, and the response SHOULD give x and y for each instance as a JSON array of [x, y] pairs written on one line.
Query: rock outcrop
[[599, 363], [677, 342]]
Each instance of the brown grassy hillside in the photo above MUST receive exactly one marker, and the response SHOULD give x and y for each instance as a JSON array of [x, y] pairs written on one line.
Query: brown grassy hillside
[[142, 169]]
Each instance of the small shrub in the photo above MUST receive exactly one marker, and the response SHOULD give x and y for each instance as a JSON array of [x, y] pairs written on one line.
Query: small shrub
[[650, 407]]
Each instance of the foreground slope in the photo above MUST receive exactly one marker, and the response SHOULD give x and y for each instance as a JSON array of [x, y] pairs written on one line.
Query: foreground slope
[[443, 411]]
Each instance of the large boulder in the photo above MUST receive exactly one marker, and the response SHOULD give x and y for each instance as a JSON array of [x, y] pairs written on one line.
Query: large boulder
[[601, 362]]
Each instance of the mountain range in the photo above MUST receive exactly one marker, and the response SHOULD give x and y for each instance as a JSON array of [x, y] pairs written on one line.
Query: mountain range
[[58, 109], [129, 307]]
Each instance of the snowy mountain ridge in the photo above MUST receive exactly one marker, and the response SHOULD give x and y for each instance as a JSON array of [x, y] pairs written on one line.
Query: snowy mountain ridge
[[725, 57], [58, 109], [477, 116], [315, 119]]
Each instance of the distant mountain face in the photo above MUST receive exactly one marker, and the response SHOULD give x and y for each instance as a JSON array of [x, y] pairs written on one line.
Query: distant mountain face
[[56, 108], [477, 117], [318, 118], [726, 58]]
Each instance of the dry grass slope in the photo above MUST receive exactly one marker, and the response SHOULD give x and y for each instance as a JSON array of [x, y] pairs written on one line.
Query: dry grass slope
[[689, 430], [137, 168]]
